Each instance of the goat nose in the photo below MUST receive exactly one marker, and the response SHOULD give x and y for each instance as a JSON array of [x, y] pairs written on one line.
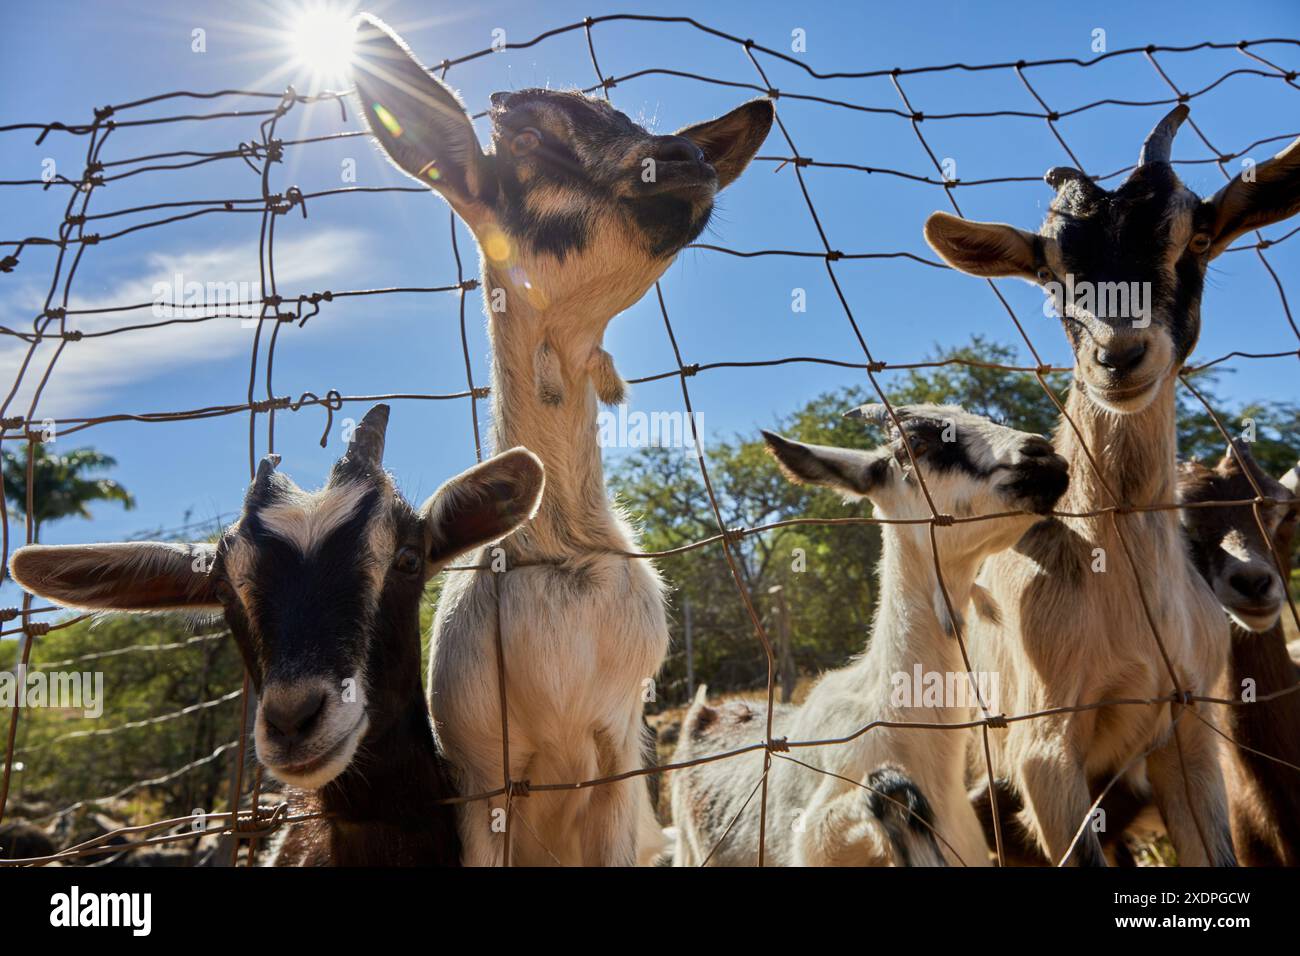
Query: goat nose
[[677, 149], [1121, 357], [290, 717], [1254, 585], [1036, 447]]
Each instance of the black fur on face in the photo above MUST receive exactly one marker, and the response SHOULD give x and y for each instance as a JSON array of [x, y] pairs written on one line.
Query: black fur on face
[[1035, 480], [943, 439], [565, 161], [345, 607], [1128, 235]]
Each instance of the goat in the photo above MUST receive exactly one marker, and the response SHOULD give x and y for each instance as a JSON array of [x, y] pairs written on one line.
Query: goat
[[322, 593], [1237, 563], [886, 793], [1075, 629], [1240, 565], [577, 210]]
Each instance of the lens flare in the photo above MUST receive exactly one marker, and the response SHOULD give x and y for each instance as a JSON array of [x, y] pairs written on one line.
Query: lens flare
[[495, 244], [388, 119], [321, 38]]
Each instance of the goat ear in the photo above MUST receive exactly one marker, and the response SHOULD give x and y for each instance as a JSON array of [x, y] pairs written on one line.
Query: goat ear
[[851, 472], [482, 505], [131, 576], [1271, 195], [989, 249], [420, 123], [730, 141]]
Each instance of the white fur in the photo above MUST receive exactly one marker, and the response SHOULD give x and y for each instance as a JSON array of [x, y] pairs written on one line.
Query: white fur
[[820, 820]]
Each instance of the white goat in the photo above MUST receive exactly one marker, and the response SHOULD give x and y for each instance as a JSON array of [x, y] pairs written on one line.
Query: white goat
[[577, 211], [893, 788]]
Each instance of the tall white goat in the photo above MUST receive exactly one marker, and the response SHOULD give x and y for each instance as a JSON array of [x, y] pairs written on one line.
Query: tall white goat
[[893, 788], [577, 211]]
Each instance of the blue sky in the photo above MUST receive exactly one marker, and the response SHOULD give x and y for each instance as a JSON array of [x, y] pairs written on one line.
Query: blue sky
[[60, 59]]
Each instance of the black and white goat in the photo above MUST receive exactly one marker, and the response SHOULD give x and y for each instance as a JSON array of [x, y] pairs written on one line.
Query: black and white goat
[[322, 592], [888, 791]]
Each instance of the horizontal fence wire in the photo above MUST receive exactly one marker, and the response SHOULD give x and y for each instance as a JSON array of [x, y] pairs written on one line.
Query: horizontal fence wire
[[276, 310]]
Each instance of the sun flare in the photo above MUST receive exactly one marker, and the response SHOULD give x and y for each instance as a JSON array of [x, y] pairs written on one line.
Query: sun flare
[[321, 39]]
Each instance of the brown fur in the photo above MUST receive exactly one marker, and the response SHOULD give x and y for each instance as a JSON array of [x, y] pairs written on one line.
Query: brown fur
[[1264, 795]]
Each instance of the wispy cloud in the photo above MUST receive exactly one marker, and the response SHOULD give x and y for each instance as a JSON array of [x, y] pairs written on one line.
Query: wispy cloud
[[89, 371]]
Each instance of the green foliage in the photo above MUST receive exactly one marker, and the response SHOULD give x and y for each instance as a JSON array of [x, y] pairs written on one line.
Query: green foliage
[[1276, 425], [1009, 398], [831, 602], [60, 488], [136, 686]]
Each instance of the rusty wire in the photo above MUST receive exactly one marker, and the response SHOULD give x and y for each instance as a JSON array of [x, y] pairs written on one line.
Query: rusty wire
[[262, 153]]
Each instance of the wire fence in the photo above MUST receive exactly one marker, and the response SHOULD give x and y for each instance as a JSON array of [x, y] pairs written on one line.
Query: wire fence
[[81, 229]]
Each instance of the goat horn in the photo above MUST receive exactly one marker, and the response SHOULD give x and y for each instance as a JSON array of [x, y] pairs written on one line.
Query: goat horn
[[264, 469], [261, 486], [1159, 143], [366, 450], [876, 413], [1058, 176]]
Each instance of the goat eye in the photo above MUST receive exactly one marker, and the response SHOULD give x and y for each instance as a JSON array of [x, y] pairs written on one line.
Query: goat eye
[[1200, 243], [1044, 274], [525, 141], [408, 561]]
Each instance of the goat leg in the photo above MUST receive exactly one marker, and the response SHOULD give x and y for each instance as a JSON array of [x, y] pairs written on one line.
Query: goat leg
[[1185, 769]]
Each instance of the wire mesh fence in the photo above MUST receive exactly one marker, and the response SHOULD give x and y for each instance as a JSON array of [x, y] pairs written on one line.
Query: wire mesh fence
[[277, 309]]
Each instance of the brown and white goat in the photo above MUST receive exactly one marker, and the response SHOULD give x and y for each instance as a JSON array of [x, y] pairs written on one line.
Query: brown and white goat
[[1236, 561], [887, 792], [1072, 633], [577, 210], [1240, 565], [322, 592]]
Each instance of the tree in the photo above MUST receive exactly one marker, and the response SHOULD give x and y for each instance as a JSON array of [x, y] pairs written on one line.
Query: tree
[[1017, 399], [1009, 398], [825, 570], [60, 488]]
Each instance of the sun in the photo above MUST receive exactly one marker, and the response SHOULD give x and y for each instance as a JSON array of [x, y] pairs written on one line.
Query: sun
[[321, 39]]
